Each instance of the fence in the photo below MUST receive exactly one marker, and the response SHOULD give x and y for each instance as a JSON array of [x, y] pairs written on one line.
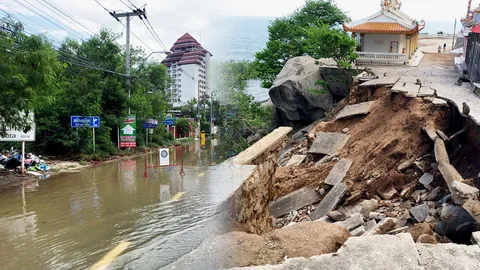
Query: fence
[[472, 58], [382, 57]]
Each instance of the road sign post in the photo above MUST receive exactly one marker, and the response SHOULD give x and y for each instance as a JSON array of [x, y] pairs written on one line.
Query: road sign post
[[128, 132], [86, 121]]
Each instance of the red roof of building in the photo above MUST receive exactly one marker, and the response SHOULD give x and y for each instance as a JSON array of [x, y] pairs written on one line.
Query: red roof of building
[[186, 57], [380, 27]]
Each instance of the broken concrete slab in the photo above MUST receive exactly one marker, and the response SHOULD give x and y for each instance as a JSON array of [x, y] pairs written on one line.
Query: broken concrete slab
[[450, 174], [430, 132], [439, 102], [338, 172], [399, 230], [326, 159], [354, 110], [406, 88], [358, 231], [337, 216], [441, 151], [426, 180], [420, 213], [370, 225], [448, 256], [425, 91], [294, 201], [387, 193], [296, 160], [330, 201], [465, 191], [376, 216], [384, 81], [262, 146], [328, 143], [352, 222], [406, 164], [433, 195], [476, 238]]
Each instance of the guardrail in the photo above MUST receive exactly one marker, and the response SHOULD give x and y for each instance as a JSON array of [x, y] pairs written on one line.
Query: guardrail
[[382, 57]]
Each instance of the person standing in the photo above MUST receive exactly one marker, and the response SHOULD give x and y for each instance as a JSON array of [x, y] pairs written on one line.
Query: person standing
[[444, 47], [439, 49]]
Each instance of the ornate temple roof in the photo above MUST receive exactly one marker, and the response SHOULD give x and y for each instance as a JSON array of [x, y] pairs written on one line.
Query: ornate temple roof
[[388, 20]]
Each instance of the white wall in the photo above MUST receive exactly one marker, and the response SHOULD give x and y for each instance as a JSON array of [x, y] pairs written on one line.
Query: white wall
[[380, 43], [207, 71], [188, 90]]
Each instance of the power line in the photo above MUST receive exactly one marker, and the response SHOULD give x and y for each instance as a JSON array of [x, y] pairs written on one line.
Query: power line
[[68, 16], [161, 42], [27, 7]]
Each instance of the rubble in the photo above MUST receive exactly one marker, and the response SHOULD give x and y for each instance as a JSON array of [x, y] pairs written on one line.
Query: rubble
[[420, 213], [337, 216], [354, 110], [351, 223], [328, 143], [294, 201], [426, 180], [338, 172], [296, 160]]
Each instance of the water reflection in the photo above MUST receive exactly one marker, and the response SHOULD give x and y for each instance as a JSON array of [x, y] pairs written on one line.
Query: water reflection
[[71, 221]]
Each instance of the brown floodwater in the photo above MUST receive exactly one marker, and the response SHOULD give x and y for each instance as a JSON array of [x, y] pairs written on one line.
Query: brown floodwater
[[72, 221]]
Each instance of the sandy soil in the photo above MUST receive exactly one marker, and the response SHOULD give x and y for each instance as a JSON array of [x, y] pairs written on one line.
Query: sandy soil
[[379, 142], [431, 44]]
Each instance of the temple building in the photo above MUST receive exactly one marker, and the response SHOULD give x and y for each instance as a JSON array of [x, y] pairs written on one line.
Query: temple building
[[388, 35], [188, 65]]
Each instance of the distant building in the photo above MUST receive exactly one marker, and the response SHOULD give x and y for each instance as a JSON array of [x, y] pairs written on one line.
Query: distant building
[[387, 36], [189, 67]]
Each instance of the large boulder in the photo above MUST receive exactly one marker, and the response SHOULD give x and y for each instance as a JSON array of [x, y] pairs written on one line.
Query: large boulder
[[296, 94]]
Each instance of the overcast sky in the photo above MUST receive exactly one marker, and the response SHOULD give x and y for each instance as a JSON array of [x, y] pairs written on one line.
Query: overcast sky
[[172, 18]]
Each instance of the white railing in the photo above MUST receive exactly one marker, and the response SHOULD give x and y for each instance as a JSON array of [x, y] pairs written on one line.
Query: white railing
[[382, 57]]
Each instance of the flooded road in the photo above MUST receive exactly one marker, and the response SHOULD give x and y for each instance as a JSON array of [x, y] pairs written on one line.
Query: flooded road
[[73, 221]]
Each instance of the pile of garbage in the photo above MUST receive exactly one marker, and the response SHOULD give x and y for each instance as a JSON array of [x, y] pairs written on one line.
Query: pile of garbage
[[12, 160]]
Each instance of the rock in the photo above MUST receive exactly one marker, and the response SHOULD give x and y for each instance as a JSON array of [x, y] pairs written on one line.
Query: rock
[[296, 160], [420, 165], [326, 159], [405, 164], [473, 208], [327, 143], [458, 226], [358, 231], [445, 199], [386, 225], [370, 225], [294, 201], [290, 92], [351, 223], [338, 172], [387, 193], [345, 130], [430, 219], [326, 219], [408, 190], [377, 216], [305, 218], [368, 206], [426, 180], [430, 132], [356, 109], [420, 213], [427, 239], [337, 216], [449, 210], [330, 201], [433, 195], [322, 192], [420, 229]]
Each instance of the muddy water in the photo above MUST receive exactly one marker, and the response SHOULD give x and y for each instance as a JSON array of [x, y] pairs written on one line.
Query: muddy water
[[72, 221]]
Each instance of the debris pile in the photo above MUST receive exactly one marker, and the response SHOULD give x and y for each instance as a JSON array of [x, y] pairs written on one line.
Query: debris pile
[[381, 167], [12, 161]]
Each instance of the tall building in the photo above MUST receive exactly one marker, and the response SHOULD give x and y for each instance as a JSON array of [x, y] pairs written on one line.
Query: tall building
[[189, 67]]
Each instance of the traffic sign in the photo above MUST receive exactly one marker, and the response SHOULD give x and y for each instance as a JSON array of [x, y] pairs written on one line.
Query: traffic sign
[[128, 132], [150, 123], [85, 121], [169, 122]]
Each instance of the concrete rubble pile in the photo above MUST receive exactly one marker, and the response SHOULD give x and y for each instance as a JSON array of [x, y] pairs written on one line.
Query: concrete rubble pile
[[438, 207]]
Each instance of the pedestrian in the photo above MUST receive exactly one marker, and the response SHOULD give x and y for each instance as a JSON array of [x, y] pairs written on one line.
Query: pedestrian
[[439, 49], [444, 47]]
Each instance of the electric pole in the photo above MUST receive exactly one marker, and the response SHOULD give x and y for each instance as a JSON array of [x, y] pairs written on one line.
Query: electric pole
[[128, 16], [454, 34]]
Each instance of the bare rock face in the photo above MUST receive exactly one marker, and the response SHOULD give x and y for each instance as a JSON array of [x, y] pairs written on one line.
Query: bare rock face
[[296, 94]]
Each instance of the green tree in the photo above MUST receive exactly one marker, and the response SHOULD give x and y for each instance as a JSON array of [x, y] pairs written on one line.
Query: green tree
[[289, 36], [324, 42], [28, 75]]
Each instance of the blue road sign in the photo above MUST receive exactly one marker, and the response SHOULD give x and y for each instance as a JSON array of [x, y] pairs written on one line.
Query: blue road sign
[[168, 122], [85, 121], [149, 125]]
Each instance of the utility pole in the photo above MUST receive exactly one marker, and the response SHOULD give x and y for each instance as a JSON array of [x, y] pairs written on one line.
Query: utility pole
[[454, 34], [128, 16]]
